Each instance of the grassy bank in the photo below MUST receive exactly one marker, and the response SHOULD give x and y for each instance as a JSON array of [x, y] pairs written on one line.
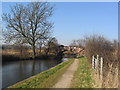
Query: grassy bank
[[83, 76], [44, 79]]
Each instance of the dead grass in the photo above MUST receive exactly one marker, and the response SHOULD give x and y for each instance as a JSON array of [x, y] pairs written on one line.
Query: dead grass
[[110, 79], [10, 52]]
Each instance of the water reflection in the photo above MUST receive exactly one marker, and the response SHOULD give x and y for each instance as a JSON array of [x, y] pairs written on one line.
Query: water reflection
[[64, 59], [20, 70]]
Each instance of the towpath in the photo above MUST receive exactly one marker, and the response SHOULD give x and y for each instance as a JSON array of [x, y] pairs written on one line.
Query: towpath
[[65, 79]]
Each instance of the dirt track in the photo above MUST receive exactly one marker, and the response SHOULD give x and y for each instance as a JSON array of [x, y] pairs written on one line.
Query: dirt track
[[65, 79]]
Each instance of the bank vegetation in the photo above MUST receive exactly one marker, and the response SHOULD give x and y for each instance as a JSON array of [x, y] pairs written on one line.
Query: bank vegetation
[[45, 79], [98, 45]]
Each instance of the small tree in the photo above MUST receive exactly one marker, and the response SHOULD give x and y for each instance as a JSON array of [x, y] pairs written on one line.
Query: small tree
[[51, 45], [28, 23], [20, 48]]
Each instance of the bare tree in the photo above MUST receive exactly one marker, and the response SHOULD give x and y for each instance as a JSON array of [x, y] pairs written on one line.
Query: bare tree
[[29, 23], [51, 45], [40, 45], [78, 43], [73, 43], [21, 48], [99, 45]]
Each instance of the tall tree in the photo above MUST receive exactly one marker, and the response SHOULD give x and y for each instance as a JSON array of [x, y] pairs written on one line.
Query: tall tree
[[29, 23]]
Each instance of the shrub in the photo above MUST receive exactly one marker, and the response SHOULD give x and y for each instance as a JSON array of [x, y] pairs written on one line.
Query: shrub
[[108, 50]]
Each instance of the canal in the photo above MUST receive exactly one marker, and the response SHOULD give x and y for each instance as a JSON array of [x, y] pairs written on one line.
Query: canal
[[15, 71]]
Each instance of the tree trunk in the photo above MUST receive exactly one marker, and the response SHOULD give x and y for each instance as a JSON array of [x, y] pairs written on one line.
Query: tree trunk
[[21, 52], [48, 49], [34, 52], [40, 48]]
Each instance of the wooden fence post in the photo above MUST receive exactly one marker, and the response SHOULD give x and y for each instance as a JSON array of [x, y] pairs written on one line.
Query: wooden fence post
[[97, 56], [97, 60], [101, 70], [93, 64]]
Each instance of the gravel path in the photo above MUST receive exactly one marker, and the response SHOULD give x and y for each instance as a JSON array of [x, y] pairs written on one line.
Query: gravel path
[[65, 79]]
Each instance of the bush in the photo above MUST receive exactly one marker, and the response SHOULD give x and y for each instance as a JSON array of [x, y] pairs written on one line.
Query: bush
[[109, 51], [99, 45]]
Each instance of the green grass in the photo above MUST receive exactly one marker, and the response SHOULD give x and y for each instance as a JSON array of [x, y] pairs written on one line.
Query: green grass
[[83, 76], [44, 79]]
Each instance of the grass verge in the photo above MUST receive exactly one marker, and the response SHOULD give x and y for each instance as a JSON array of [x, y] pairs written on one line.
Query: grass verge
[[44, 79], [83, 76]]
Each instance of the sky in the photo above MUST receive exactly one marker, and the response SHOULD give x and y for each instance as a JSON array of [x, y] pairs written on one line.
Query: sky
[[75, 20]]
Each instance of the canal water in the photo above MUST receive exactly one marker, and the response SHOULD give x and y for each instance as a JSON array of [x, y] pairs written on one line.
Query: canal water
[[15, 71]]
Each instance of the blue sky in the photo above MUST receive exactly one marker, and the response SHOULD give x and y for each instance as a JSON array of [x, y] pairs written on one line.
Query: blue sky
[[79, 19]]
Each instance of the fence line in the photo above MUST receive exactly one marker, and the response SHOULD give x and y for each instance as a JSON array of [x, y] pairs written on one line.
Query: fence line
[[97, 64]]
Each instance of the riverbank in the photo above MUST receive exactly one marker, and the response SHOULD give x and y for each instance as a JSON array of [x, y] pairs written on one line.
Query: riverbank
[[73, 73], [9, 55], [10, 58], [50, 77]]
